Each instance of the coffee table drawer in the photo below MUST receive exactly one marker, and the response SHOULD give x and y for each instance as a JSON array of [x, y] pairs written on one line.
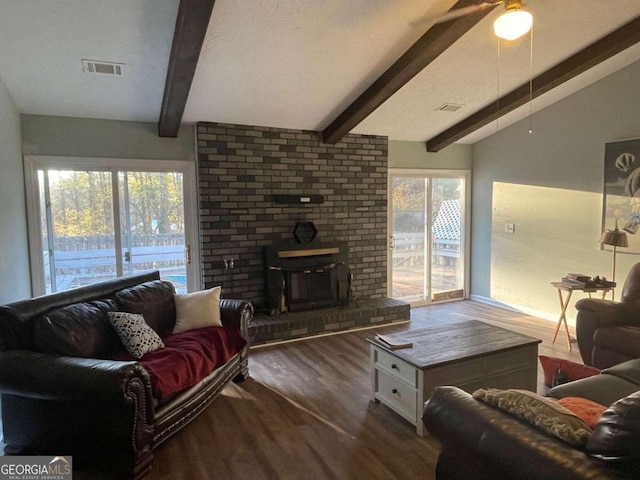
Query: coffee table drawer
[[395, 367], [397, 395]]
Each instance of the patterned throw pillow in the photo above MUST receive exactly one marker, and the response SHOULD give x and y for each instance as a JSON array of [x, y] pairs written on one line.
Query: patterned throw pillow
[[544, 413], [136, 336]]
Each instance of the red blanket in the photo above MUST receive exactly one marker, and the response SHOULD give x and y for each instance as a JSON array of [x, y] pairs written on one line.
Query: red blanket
[[188, 357]]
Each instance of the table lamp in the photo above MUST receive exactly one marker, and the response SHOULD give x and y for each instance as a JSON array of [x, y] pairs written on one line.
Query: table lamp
[[615, 238]]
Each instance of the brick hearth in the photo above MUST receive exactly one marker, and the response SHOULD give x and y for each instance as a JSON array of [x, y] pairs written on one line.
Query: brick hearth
[[274, 328]]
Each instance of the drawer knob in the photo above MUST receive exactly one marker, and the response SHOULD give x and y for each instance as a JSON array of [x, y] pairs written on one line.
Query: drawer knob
[[394, 391], [394, 366]]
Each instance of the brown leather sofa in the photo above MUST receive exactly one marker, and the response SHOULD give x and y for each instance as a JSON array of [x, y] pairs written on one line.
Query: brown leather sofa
[[101, 411], [609, 332], [482, 442]]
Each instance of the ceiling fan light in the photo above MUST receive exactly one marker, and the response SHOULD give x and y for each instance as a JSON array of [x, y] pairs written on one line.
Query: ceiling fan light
[[513, 24]]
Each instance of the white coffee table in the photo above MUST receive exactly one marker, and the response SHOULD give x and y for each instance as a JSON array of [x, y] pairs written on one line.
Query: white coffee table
[[469, 355]]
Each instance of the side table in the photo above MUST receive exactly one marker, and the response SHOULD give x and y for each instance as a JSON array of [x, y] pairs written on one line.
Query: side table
[[564, 303]]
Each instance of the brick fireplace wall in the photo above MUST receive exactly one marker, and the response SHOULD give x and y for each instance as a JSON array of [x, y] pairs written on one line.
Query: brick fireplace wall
[[241, 168]]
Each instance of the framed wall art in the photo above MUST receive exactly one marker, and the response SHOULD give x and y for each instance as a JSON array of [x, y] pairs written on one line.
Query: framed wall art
[[621, 193]]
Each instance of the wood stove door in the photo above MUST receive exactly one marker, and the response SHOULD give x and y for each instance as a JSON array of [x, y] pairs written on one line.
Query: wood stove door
[[311, 289]]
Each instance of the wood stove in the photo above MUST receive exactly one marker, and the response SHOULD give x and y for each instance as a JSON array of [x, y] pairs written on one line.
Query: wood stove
[[306, 276]]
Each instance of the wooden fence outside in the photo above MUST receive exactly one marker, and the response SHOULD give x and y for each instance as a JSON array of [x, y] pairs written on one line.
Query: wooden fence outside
[[86, 259], [408, 250]]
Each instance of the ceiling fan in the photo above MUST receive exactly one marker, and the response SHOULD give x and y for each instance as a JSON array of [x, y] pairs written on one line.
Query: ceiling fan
[[513, 23]]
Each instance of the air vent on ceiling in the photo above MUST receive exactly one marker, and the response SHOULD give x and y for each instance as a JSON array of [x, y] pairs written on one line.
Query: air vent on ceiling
[[449, 107], [107, 68]]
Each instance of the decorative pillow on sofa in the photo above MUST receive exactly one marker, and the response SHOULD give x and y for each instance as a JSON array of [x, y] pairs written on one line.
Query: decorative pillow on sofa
[[586, 409], [136, 336], [568, 369], [198, 310], [77, 330], [153, 300], [542, 412]]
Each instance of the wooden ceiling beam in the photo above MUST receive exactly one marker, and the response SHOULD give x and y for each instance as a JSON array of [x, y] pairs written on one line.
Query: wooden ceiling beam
[[188, 36], [587, 58], [433, 43]]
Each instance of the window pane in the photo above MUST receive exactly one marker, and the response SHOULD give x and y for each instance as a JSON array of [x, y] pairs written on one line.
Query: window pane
[[446, 268], [153, 226], [81, 231], [408, 205]]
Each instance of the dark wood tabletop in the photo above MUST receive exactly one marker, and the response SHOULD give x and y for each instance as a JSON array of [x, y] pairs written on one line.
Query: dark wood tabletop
[[439, 345]]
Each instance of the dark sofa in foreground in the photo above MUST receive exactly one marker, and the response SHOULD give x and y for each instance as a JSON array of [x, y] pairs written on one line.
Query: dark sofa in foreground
[[483, 442], [69, 388]]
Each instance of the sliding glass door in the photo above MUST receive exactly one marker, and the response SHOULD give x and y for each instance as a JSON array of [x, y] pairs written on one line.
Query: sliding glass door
[[93, 220], [427, 235]]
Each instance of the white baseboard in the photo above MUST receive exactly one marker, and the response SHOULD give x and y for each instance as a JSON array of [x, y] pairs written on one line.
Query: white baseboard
[[518, 308]]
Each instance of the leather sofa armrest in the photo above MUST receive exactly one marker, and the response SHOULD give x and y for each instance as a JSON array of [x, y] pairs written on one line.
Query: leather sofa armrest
[[236, 313], [49, 377], [481, 434], [608, 313], [595, 313], [120, 392]]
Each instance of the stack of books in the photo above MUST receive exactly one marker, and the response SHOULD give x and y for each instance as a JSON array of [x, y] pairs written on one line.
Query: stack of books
[[586, 281], [577, 279]]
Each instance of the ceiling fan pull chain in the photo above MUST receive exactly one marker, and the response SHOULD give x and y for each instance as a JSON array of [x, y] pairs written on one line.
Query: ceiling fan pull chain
[[531, 81]]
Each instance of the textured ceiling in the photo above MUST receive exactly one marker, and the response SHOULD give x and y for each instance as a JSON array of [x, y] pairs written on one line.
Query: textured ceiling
[[288, 63], [42, 44]]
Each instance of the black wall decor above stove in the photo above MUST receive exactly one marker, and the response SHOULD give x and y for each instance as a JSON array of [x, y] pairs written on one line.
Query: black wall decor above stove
[[305, 232]]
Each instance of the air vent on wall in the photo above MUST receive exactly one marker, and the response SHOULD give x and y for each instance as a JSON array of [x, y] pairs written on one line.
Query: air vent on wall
[[449, 107], [107, 68]]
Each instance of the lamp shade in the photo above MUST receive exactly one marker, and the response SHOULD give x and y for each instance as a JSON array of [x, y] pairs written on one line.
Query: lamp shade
[[615, 238], [513, 24]]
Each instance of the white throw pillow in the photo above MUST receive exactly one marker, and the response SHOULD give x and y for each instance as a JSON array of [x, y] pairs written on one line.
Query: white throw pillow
[[197, 310], [136, 336]]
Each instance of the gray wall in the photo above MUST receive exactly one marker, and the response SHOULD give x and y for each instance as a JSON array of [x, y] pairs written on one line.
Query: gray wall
[[549, 184], [14, 254], [412, 155], [83, 137]]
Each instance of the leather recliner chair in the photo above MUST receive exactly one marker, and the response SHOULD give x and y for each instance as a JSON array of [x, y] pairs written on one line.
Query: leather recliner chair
[[609, 332]]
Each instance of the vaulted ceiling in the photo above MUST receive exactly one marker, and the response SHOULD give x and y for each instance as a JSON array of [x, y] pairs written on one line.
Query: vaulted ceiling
[[379, 67]]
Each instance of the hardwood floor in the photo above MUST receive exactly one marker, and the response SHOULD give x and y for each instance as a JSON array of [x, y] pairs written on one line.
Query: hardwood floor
[[306, 412]]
